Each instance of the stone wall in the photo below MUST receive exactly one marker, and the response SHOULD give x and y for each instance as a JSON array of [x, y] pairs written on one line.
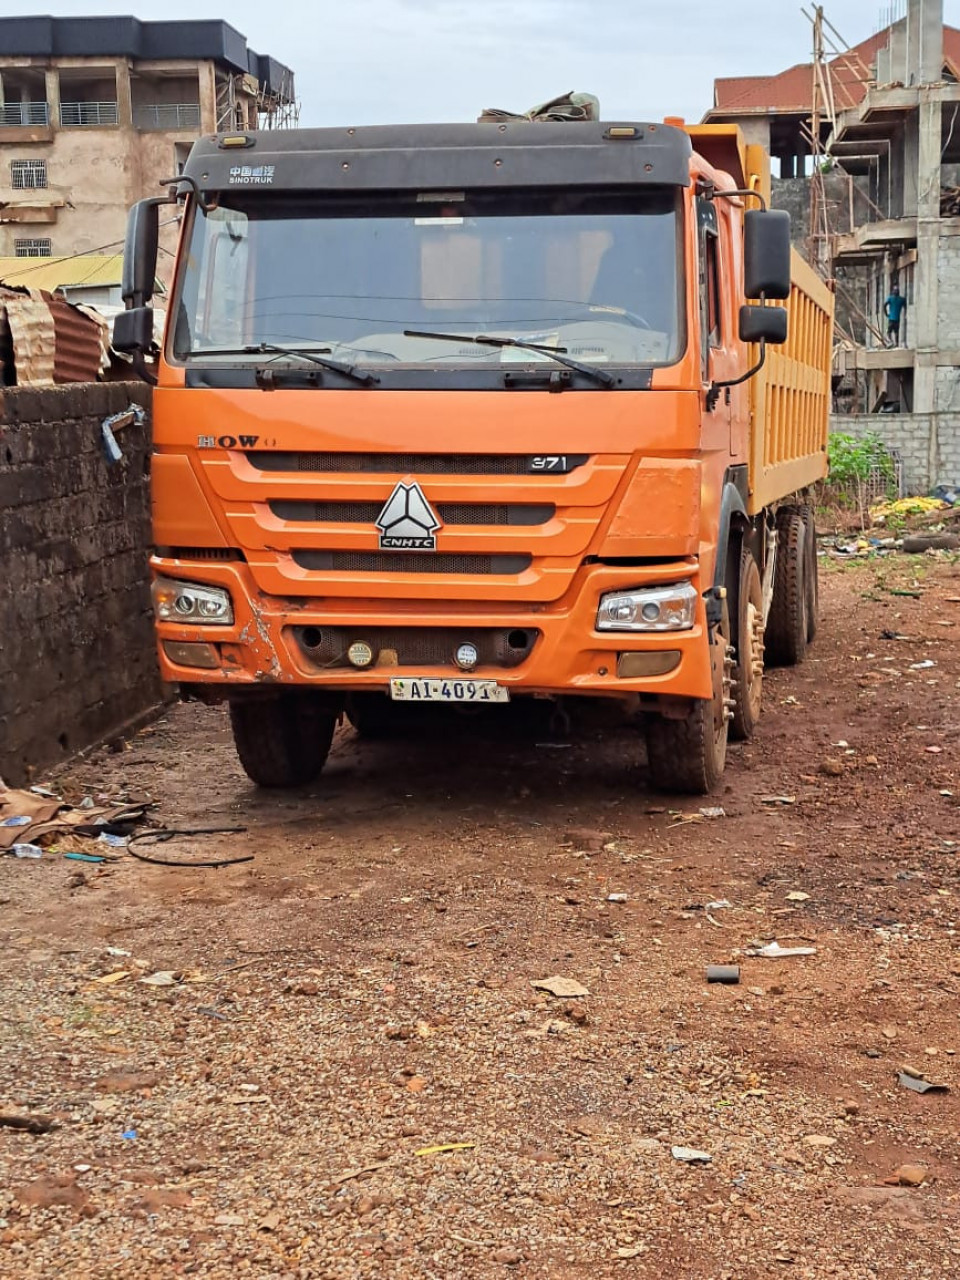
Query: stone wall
[[793, 194], [948, 275], [928, 443], [77, 657]]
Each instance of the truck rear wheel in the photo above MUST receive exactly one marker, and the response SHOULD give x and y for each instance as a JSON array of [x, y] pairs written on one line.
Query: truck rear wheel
[[688, 755], [786, 641], [811, 571], [748, 672], [282, 741]]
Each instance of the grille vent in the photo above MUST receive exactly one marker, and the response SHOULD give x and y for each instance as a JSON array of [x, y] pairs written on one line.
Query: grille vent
[[410, 562], [391, 464], [450, 513]]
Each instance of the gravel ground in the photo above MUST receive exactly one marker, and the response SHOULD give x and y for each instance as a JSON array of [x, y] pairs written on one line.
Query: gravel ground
[[361, 992]]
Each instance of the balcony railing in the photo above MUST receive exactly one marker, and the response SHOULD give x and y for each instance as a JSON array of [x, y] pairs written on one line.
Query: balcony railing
[[164, 115], [88, 113], [24, 113]]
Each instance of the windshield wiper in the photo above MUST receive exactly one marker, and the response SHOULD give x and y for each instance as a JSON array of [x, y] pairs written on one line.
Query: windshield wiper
[[307, 353], [555, 353]]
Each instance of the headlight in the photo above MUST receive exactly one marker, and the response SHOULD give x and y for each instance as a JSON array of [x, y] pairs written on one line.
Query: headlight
[[190, 602], [671, 608]]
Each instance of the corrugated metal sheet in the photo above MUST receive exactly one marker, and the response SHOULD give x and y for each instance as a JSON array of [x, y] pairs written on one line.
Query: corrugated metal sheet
[[79, 354], [90, 269], [31, 326], [50, 340]]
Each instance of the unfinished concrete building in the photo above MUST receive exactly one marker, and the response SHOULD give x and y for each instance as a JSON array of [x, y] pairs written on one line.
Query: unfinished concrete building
[[869, 148], [94, 112]]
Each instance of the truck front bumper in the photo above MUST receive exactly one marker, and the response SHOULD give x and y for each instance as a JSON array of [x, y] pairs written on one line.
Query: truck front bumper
[[567, 655]]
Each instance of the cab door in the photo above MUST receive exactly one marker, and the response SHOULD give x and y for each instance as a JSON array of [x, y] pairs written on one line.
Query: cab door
[[717, 351]]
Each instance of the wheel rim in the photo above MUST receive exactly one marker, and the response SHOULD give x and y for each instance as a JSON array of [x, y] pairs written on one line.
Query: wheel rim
[[722, 664], [751, 670]]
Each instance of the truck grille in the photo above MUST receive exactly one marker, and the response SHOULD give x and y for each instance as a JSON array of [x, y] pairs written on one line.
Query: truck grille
[[450, 513], [513, 526], [409, 562], [427, 464]]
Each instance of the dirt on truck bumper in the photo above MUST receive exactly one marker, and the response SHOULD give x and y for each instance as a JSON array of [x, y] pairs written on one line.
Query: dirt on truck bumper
[[534, 649]]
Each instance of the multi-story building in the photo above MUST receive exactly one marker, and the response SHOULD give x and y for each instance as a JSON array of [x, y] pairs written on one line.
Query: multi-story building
[[877, 129], [95, 112]]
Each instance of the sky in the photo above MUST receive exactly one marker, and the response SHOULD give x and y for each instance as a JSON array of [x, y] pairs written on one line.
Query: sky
[[408, 61]]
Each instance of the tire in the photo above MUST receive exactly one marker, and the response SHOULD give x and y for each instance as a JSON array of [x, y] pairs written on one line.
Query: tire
[[748, 671], [688, 755], [811, 570], [373, 716], [282, 741], [786, 637]]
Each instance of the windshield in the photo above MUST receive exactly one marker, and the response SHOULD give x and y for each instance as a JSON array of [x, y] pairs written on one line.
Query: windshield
[[594, 275]]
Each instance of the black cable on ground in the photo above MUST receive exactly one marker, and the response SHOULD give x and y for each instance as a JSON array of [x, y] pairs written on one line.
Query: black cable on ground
[[162, 834]]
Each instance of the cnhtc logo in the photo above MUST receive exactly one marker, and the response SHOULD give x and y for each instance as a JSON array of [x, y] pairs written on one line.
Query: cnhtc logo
[[407, 521]]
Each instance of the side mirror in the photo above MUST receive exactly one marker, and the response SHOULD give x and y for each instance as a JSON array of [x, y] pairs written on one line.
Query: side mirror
[[766, 254], [140, 252], [133, 330], [761, 324]]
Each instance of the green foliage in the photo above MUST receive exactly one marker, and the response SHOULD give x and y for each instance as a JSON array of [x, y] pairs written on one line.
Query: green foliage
[[854, 463], [853, 458]]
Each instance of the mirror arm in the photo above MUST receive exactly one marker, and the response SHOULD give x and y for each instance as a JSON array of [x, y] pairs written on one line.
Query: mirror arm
[[139, 364], [176, 196], [713, 393], [710, 192]]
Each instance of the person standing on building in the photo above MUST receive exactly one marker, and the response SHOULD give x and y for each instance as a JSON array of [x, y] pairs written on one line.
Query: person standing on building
[[893, 309]]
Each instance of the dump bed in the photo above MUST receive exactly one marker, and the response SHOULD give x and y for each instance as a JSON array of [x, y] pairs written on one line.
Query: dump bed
[[790, 396]]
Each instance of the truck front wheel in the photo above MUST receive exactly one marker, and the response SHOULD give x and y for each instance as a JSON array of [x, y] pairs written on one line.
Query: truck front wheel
[[748, 673], [282, 741], [688, 755]]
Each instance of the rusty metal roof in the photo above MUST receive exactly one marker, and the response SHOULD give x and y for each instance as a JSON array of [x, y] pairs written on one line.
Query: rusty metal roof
[[51, 341], [792, 90], [79, 352]]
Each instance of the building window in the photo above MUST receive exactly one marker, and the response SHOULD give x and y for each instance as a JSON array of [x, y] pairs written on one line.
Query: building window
[[28, 174], [32, 248]]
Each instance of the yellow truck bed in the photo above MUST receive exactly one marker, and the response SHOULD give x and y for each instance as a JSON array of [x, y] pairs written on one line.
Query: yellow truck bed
[[790, 396]]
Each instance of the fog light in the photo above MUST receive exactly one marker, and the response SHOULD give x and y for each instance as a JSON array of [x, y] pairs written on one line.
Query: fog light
[[360, 653], [191, 655], [466, 656], [190, 602], [666, 608], [633, 666]]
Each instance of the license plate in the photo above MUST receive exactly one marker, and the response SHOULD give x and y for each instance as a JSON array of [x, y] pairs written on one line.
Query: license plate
[[407, 690]]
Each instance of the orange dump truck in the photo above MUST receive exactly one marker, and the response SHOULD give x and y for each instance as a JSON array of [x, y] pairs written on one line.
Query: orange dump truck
[[466, 413]]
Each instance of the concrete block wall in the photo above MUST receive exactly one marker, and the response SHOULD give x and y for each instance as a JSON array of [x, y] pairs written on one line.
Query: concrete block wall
[[77, 660], [948, 274], [928, 443]]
